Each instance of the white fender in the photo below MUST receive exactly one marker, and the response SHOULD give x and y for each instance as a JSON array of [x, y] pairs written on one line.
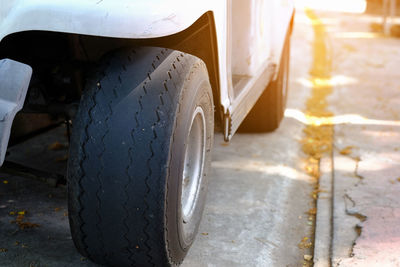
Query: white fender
[[117, 18], [140, 19]]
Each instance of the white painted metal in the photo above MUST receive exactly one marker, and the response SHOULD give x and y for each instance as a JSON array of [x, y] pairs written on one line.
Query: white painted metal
[[250, 33], [116, 18], [265, 20], [283, 11], [251, 28], [14, 82], [259, 28]]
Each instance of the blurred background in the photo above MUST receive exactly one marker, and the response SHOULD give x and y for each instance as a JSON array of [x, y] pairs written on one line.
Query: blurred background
[[386, 10]]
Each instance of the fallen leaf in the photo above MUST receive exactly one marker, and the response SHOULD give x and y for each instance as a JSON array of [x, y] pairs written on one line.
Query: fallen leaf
[[308, 257], [204, 233], [347, 150], [3, 250], [315, 192], [27, 225], [305, 243], [21, 224], [312, 211], [313, 170]]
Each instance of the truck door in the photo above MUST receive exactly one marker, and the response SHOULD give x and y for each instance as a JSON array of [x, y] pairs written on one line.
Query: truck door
[[251, 31]]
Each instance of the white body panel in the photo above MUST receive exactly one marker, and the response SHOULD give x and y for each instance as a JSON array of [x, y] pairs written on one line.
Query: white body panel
[[259, 28], [259, 42], [116, 18], [251, 28]]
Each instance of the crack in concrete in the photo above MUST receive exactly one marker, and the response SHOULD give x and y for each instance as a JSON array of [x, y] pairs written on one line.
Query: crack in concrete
[[350, 211], [358, 215], [356, 170], [353, 213]]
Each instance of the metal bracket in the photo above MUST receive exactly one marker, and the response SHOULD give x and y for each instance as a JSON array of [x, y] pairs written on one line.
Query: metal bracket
[[227, 127], [14, 82]]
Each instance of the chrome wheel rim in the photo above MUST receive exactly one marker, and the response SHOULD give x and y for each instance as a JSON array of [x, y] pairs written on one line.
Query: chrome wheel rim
[[193, 164]]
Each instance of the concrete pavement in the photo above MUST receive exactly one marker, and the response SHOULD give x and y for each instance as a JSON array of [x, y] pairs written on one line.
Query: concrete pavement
[[367, 188], [256, 212], [260, 203], [361, 185]]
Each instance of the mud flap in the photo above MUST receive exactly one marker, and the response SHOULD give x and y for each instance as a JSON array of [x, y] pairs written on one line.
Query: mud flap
[[14, 82]]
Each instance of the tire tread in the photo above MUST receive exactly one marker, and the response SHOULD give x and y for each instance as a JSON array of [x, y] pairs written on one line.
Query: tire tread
[[79, 178]]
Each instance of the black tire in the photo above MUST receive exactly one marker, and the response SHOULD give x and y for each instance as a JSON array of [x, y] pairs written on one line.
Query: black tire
[[128, 147], [267, 113]]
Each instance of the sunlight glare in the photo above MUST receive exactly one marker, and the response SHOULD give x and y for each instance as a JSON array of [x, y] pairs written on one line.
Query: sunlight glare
[[350, 6], [357, 35], [334, 81], [261, 167], [334, 120]]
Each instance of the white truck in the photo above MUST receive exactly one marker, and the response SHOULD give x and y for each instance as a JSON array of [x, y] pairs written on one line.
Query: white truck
[[151, 80]]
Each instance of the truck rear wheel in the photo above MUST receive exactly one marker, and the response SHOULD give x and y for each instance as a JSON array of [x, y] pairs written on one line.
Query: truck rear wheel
[[140, 151], [267, 113]]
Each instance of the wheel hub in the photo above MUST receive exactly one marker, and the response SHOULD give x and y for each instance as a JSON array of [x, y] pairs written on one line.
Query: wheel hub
[[193, 164]]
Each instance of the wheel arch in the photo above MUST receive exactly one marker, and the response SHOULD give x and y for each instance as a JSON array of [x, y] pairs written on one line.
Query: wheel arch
[[199, 39]]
